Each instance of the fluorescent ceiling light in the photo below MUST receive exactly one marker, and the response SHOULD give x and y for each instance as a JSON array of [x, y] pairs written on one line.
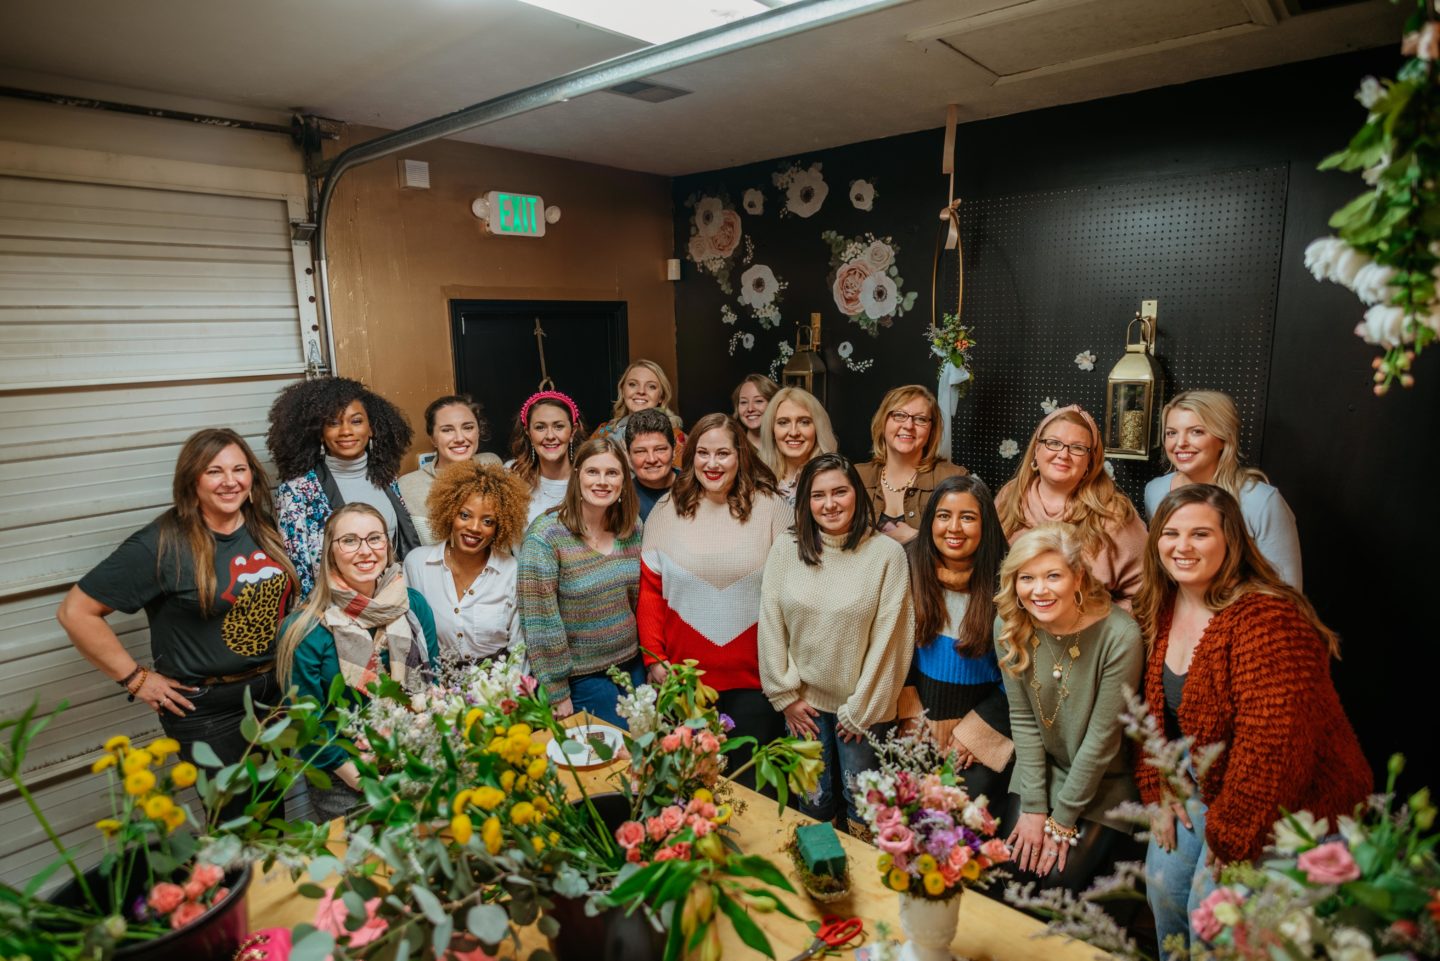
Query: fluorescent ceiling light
[[656, 21]]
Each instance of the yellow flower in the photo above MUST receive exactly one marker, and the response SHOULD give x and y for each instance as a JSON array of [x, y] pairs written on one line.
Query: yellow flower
[[970, 871], [538, 843], [702, 794], [898, 880], [520, 782], [520, 732], [109, 826], [886, 862], [925, 864], [535, 749], [461, 799], [471, 716], [117, 743], [487, 798], [553, 837], [103, 762], [491, 834], [137, 760], [462, 828], [522, 813], [722, 814], [157, 806], [537, 767], [934, 883], [542, 805], [507, 781], [163, 747], [184, 774], [174, 818], [139, 782]]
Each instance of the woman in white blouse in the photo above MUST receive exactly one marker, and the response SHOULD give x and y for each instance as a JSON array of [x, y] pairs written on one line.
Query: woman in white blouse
[[468, 578]]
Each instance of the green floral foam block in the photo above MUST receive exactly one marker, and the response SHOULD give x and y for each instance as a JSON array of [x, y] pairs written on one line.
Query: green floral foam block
[[820, 849]]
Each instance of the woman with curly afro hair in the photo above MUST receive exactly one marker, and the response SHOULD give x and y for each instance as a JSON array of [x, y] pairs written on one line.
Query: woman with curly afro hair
[[468, 578], [337, 443]]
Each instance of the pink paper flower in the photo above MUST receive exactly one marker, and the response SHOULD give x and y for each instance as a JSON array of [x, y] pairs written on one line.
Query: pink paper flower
[[630, 835], [330, 915], [1203, 921], [895, 839], [848, 280], [727, 234], [165, 897], [1328, 864], [186, 913]]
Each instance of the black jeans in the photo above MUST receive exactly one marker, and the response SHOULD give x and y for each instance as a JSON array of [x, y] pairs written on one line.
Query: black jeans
[[753, 716], [1099, 850], [216, 722]]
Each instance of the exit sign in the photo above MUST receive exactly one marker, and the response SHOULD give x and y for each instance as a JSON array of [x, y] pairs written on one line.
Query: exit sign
[[515, 215]]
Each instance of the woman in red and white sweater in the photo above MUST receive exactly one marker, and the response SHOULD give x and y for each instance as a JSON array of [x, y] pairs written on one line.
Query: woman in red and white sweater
[[705, 548], [1237, 657]]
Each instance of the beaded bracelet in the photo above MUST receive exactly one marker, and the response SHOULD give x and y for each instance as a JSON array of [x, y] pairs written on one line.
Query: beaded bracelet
[[134, 690], [1070, 836], [125, 681]]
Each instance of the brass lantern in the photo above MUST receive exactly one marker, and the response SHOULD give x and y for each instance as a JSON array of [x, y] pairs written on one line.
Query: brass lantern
[[1132, 393], [806, 368]]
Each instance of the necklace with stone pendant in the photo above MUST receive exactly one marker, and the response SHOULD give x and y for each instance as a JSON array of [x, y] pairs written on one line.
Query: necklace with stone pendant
[[1061, 675]]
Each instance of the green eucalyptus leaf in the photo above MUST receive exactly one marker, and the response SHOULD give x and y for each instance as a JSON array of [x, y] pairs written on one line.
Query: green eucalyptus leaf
[[272, 732], [205, 755], [429, 904], [440, 937], [548, 926], [308, 890], [488, 922], [314, 945], [249, 727], [318, 778]]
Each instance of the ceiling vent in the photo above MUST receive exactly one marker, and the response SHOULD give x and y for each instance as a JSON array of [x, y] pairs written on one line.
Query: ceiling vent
[[646, 91]]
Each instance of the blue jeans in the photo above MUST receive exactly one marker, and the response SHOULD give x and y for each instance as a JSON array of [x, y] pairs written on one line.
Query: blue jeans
[[1177, 881], [849, 758], [597, 694]]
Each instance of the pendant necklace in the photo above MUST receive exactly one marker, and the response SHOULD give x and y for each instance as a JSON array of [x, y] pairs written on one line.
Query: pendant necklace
[[1060, 672]]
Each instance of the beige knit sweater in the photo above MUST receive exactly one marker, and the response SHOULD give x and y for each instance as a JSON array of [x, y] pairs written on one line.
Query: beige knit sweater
[[840, 634]]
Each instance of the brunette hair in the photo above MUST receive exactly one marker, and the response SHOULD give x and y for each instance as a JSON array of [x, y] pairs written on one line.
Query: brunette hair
[[807, 532], [525, 461], [477, 410], [1017, 630], [297, 428], [975, 632], [895, 399], [458, 483], [752, 478], [767, 388], [1243, 571], [621, 516], [1096, 506], [182, 528], [824, 433], [666, 391], [653, 421], [1218, 415], [323, 596]]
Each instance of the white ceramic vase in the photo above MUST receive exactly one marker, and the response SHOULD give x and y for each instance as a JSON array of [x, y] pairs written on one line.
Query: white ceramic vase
[[929, 927]]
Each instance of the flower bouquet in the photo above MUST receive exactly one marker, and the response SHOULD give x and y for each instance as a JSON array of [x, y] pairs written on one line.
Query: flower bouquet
[[952, 342]]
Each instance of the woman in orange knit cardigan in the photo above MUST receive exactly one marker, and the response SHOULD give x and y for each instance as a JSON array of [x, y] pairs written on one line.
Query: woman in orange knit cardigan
[[1236, 657]]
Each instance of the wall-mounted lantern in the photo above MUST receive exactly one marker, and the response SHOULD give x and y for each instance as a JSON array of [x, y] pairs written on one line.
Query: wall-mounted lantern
[[1132, 393], [806, 368]]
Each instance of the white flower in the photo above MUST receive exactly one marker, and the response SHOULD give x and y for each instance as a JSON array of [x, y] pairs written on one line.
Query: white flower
[[707, 215], [1049, 404], [1371, 283], [727, 314], [1321, 254], [879, 255], [1350, 830], [1295, 926], [806, 192], [1110, 468], [1008, 448], [845, 349], [1348, 944], [753, 201], [862, 194], [748, 341], [758, 286], [1384, 326], [1085, 360], [1289, 839], [1369, 93], [1371, 174], [1347, 265], [877, 296]]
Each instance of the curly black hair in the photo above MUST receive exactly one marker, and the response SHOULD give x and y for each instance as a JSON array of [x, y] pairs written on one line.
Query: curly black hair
[[298, 416]]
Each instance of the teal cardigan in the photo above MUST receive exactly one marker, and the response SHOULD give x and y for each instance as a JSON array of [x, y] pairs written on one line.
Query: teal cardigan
[[316, 664]]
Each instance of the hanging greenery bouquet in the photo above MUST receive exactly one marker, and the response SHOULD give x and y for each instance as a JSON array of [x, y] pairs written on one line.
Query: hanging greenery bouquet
[[952, 342], [1386, 246]]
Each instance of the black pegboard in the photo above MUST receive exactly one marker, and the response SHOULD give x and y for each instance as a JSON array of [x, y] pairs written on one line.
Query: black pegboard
[[1054, 273]]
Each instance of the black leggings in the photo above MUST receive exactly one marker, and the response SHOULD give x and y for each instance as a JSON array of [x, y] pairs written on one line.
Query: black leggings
[[1099, 850], [753, 716], [216, 722]]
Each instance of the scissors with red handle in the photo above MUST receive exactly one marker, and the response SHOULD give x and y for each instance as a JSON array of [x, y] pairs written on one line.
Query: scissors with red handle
[[834, 933]]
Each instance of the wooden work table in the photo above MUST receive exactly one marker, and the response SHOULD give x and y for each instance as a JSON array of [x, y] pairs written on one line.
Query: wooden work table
[[989, 930]]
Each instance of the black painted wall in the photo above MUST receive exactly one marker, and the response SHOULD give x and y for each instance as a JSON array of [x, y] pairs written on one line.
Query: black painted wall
[[1359, 471]]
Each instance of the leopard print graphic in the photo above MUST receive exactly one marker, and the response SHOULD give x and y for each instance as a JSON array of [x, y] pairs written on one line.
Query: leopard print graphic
[[249, 625]]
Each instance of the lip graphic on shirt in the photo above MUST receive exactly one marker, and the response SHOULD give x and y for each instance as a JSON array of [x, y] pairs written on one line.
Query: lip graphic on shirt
[[257, 594]]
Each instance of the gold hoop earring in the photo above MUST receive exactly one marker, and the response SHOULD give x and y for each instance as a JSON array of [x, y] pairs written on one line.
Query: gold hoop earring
[[1079, 601]]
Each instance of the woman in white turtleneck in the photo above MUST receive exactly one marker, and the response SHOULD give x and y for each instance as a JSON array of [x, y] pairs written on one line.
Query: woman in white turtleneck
[[338, 444]]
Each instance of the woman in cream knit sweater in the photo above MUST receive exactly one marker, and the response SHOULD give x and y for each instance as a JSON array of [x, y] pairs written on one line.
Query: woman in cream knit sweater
[[836, 626]]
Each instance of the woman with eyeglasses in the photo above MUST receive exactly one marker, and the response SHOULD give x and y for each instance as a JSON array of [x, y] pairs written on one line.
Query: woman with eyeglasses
[[904, 469], [361, 620], [1062, 478]]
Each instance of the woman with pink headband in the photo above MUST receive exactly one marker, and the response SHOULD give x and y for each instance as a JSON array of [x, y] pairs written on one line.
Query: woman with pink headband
[[542, 448], [1063, 478]]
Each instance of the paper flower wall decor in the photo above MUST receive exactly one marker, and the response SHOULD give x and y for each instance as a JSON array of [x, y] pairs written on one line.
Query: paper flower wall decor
[[1008, 448], [727, 314], [753, 201], [865, 281], [1049, 405], [862, 194], [785, 352], [760, 291], [805, 189], [741, 339], [1085, 360], [715, 235]]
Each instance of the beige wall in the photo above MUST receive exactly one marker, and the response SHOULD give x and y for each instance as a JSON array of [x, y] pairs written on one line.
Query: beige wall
[[397, 257]]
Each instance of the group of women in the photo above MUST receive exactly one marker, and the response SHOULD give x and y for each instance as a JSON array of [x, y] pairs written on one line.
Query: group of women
[[831, 599]]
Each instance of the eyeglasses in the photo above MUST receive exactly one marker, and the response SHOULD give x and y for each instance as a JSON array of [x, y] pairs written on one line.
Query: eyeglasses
[[350, 543], [900, 417], [1056, 446]]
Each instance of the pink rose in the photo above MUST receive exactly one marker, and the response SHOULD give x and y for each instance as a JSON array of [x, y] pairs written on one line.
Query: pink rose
[[727, 234], [630, 835], [675, 852], [1328, 864], [186, 913], [708, 743], [951, 875], [700, 248], [848, 280], [193, 889], [219, 895], [673, 818], [165, 897], [889, 817], [704, 809], [995, 850], [670, 743], [208, 875], [700, 826], [959, 855], [1203, 921], [895, 839], [634, 856], [656, 829]]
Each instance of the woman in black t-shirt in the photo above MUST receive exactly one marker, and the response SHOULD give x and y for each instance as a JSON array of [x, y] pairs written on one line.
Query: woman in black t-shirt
[[213, 578]]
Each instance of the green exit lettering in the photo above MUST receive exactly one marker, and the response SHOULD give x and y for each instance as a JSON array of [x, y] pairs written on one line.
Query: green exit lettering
[[518, 214]]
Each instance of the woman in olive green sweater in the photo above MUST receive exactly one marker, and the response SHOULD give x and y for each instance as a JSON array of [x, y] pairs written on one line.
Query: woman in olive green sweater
[[1067, 654]]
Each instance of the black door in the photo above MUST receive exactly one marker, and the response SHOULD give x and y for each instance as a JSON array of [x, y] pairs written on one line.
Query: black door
[[497, 361]]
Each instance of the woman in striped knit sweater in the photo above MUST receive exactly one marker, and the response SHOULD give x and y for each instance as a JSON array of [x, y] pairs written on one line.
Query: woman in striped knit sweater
[[579, 582], [704, 552]]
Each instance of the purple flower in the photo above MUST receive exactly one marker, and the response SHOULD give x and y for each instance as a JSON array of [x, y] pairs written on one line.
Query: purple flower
[[727, 724]]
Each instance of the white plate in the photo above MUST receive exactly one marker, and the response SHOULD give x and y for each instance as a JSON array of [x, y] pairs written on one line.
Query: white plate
[[587, 756]]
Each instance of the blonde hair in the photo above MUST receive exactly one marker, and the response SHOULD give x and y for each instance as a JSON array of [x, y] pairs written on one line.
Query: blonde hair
[[896, 398], [1094, 506], [666, 391], [1217, 414], [323, 595], [824, 433], [1017, 630]]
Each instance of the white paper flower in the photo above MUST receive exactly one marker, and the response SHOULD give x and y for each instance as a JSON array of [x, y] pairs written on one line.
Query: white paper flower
[[1085, 360], [707, 215], [862, 194], [806, 192], [1372, 283], [1110, 468], [1049, 404], [878, 296], [753, 201], [845, 349], [1369, 93], [748, 340], [879, 255], [727, 314], [758, 286], [1383, 325], [1008, 448]]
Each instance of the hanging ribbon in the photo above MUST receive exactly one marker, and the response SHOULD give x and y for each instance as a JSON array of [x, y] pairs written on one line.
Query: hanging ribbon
[[949, 389]]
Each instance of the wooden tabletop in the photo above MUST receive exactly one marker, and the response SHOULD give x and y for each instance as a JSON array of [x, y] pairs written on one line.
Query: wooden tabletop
[[989, 930]]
